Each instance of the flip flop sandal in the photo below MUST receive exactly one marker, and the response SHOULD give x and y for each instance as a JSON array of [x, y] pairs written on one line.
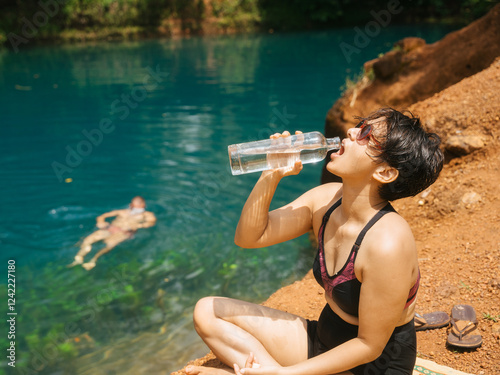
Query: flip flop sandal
[[437, 319], [463, 332]]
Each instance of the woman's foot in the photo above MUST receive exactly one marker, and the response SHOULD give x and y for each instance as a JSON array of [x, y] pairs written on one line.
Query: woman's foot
[[195, 370], [89, 265], [78, 260]]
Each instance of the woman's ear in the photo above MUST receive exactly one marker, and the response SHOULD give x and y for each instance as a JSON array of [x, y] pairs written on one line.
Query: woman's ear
[[385, 174]]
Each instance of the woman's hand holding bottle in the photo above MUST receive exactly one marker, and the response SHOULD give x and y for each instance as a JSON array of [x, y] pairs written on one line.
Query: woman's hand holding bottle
[[286, 163]]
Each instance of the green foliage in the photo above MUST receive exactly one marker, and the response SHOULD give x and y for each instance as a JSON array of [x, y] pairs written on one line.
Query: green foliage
[[240, 14], [113, 13], [464, 285], [294, 14], [352, 81], [102, 17], [488, 316], [50, 349], [472, 9], [90, 13]]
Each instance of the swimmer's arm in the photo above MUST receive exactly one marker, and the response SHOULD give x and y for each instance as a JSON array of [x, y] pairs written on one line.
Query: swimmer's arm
[[102, 218], [150, 220]]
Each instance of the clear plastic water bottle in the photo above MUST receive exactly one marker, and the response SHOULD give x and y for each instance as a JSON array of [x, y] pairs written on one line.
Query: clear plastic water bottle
[[280, 152]]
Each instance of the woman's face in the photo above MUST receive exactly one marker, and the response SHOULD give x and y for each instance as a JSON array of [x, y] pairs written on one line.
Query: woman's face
[[137, 203], [353, 159]]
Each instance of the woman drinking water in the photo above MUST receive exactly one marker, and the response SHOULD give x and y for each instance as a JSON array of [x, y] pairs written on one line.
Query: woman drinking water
[[366, 261]]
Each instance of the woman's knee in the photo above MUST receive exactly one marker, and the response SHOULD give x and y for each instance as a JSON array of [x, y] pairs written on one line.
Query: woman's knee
[[204, 315]]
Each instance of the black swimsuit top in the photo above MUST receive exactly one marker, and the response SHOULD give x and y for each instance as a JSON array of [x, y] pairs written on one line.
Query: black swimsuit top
[[343, 287]]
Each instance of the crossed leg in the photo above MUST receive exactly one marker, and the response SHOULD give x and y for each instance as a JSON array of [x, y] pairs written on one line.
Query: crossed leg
[[87, 243], [232, 329], [111, 242]]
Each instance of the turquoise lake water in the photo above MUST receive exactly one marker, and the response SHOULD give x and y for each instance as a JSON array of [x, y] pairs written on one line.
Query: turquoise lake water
[[85, 128]]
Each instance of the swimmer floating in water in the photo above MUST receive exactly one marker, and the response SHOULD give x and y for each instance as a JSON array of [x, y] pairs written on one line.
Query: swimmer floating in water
[[123, 227]]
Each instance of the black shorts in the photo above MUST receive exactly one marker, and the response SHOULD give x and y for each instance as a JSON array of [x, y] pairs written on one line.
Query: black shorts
[[330, 331]]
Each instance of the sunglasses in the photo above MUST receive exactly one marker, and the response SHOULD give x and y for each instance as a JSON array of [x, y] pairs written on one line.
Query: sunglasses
[[365, 132]]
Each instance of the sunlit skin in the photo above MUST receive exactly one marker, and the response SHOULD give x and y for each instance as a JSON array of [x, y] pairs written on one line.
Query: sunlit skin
[[253, 339], [124, 225]]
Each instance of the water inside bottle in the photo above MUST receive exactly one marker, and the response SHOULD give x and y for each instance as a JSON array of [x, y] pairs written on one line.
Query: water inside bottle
[[249, 161], [282, 159]]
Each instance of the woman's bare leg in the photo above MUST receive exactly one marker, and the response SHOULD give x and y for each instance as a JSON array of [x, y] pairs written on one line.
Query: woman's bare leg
[[86, 246], [111, 242], [232, 329]]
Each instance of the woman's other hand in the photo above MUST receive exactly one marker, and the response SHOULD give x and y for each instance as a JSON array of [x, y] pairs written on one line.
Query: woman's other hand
[[253, 367]]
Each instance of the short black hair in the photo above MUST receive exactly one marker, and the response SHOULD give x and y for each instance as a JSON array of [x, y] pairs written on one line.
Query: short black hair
[[407, 147]]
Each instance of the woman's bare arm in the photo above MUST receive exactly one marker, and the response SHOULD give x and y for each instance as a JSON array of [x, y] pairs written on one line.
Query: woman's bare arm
[[257, 227]]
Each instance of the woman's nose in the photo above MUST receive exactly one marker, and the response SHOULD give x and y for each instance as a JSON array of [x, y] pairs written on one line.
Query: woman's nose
[[351, 133]]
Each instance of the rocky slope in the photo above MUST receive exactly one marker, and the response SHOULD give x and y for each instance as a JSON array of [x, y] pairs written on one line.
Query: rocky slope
[[414, 71]]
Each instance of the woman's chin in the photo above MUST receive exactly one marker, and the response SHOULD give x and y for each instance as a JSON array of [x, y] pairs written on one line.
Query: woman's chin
[[330, 167]]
